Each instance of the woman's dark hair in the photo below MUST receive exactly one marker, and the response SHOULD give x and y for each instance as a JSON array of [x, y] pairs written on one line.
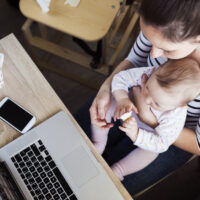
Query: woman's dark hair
[[177, 19]]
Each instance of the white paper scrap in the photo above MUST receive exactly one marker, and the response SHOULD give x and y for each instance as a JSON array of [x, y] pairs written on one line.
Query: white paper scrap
[[73, 3], [125, 116], [44, 4]]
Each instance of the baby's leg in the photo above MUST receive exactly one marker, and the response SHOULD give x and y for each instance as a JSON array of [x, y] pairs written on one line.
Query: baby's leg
[[100, 136], [133, 162]]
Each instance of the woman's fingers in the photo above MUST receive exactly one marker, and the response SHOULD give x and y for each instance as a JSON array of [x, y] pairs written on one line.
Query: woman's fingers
[[95, 119], [101, 110]]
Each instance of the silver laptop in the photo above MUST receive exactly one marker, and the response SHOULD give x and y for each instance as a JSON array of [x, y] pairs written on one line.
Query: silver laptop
[[52, 161]]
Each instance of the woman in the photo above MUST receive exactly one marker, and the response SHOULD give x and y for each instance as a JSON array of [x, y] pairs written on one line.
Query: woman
[[170, 30]]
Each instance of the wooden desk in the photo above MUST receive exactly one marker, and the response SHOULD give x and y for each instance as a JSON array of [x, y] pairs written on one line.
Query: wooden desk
[[90, 21], [25, 84]]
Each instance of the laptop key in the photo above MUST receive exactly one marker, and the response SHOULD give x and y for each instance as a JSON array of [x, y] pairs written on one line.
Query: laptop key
[[32, 193], [53, 191], [48, 158], [46, 152], [49, 186], [34, 186], [62, 181], [42, 148], [32, 169], [41, 197], [36, 164], [22, 164], [30, 153], [73, 197], [27, 149], [60, 190], [29, 164], [33, 159], [31, 180], [35, 174], [16, 165], [38, 180], [37, 192], [46, 180], [13, 159], [56, 185], [52, 164], [53, 179], [63, 196], [46, 168], [41, 185], [25, 181], [18, 158], [40, 142], [22, 153], [43, 175], [44, 191], [25, 158], [25, 169], [48, 196], [56, 197], [28, 175], [29, 187], [39, 169], [35, 150], [40, 158], [49, 174]]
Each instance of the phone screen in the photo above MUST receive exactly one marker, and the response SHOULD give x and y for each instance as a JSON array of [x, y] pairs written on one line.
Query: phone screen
[[15, 115]]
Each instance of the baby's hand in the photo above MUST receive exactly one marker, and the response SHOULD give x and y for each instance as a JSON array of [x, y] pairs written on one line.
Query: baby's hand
[[123, 106], [130, 127]]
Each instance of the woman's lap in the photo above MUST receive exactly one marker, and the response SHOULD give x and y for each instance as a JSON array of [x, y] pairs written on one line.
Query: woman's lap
[[119, 145]]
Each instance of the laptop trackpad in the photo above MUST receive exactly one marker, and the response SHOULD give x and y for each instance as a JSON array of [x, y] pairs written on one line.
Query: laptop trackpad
[[79, 166]]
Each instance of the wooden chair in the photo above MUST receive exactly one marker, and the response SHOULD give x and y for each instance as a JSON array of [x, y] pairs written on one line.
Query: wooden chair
[[129, 16]]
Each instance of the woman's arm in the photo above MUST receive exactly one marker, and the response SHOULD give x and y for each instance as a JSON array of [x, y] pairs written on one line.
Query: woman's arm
[[101, 103], [136, 58], [187, 141]]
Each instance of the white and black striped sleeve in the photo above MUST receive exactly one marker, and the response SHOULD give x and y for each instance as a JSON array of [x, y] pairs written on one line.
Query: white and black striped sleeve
[[198, 134], [140, 51], [193, 118]]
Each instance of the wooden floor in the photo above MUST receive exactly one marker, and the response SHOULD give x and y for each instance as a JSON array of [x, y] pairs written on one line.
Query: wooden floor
[[183, 185]]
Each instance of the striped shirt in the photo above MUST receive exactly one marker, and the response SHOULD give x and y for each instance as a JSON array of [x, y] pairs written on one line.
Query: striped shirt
[[139, 56]]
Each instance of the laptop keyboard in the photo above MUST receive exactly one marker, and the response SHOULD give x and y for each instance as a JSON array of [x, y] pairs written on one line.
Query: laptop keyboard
[[41, 175]]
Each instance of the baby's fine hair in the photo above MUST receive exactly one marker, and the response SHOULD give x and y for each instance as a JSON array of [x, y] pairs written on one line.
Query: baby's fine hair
[[180, 76]]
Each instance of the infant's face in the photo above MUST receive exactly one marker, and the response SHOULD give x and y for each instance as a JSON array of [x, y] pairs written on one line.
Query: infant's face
[[157, 97]]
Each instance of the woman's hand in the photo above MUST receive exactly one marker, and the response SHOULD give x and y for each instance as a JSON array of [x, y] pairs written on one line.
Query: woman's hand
[[144, 112], [99, 108]]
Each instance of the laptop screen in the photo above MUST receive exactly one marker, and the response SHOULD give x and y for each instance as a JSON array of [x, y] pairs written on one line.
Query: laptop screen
[[8, 188]]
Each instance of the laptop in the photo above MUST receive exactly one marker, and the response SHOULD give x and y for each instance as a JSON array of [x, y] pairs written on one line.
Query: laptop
[[52, 161]]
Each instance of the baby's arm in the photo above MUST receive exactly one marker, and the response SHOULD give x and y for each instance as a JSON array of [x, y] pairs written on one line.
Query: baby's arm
[[124, 104], [168, 130], [120, 87]]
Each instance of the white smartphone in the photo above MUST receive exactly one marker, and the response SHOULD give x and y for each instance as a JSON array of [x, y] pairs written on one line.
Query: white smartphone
[[16, 116]]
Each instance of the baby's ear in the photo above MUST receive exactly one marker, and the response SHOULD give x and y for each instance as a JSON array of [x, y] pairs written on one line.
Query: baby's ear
[[144, 79]]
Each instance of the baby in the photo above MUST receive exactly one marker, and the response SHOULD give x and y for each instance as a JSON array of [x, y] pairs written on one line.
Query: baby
[[166, 90]]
